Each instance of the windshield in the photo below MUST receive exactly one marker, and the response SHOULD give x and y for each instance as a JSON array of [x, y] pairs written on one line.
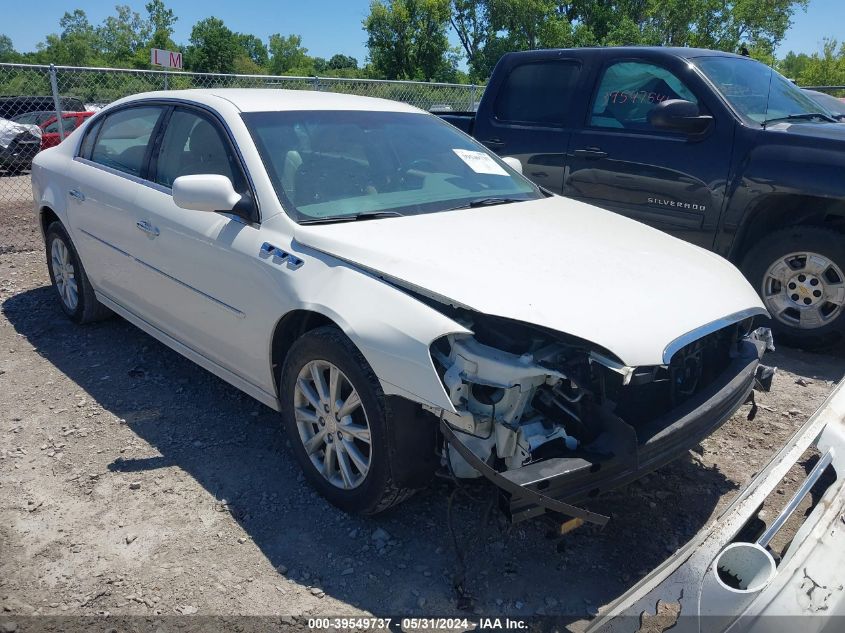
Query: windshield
[[339, 165], [830, 103], [745, 84]]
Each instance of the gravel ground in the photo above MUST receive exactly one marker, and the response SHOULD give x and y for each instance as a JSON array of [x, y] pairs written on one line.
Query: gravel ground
[[134, 483]]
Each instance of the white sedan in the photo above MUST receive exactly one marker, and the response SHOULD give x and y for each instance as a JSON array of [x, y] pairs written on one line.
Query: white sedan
[[406, 299]]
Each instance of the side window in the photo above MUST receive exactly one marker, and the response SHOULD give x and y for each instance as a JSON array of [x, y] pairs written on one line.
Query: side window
[[123, 138], [69, 124], [30, 118], [628, 91], [537, 93], [90, 136], [191, 144]]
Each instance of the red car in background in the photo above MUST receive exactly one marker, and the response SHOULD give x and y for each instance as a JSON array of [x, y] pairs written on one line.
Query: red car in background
[[50, 128]]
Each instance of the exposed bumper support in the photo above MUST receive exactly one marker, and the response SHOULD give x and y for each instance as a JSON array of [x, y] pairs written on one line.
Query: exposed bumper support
[[652, 446], [542, 486], [512, 488]]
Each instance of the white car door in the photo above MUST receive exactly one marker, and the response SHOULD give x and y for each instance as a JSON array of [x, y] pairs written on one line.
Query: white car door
[[213, 291], [103, 185]]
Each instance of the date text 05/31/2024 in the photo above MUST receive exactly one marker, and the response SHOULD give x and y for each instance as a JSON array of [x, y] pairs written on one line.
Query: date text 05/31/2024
[[420, 624]]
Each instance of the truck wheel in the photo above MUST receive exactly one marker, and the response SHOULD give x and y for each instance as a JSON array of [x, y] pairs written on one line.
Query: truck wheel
[[339, 423], [76, 295], [800, 275]]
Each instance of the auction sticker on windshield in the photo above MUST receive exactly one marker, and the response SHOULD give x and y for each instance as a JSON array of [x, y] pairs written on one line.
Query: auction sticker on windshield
[[480, 162]]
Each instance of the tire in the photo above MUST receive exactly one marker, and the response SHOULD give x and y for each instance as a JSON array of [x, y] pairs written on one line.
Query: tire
[[362, 492], [76, 296], [799, 273]]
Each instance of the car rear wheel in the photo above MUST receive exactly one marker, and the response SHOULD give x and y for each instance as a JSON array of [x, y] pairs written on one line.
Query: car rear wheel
[[339, 423], [76, 296], [800, 275]]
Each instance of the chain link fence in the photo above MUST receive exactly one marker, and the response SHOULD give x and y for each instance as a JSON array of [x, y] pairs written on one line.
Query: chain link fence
[[31, 96]]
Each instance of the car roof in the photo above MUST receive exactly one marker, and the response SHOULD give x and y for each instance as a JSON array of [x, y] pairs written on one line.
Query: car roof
[[269, 99], [616, 51]]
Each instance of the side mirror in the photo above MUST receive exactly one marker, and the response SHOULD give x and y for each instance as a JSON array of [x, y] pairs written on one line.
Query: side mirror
[[513, 163], [679, 115], [205, 192]]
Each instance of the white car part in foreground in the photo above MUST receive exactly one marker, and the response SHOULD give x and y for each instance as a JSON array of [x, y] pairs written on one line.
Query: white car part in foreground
[[716, 583]]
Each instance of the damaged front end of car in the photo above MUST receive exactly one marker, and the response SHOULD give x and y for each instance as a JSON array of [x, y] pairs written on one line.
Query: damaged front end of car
[[554, 420]]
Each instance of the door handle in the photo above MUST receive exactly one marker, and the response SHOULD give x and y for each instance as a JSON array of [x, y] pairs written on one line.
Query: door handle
[[494, 143], [590, 153], [76, 193], [148, 228]]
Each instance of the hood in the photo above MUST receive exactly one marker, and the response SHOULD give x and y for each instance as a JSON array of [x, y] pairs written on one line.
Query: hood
[[557, 263], [827, 131], [9, 130]]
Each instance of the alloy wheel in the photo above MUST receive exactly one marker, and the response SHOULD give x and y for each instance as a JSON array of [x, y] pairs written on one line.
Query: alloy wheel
[[64, 274], [332, 424], [804, 290]]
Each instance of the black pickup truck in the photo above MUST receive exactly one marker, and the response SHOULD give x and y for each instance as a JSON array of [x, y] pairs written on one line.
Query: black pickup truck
[[714, 148]]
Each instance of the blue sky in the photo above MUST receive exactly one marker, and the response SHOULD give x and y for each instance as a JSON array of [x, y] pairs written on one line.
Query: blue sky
[[326, 26]]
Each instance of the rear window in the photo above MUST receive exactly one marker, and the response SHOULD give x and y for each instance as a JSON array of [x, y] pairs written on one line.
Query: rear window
[[538, 93], [69, 124], [123, 137]]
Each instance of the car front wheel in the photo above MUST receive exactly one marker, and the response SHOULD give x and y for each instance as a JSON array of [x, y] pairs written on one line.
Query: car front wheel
[[339, 423], [800, 275]]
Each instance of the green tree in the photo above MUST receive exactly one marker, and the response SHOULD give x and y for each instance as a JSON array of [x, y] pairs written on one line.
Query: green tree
[[826, 68], [525, 22], [76, 45], [7, 49], [793, 65], [161, 21], [254, 49], [407, 39], [340, 65], [243, 65], [513, 25], [721, 24], [431, 55], [121, 37], [340, 61], [487, 29], [470, 19], [389, 39], [75, 23], [288, 56], [213, 47]]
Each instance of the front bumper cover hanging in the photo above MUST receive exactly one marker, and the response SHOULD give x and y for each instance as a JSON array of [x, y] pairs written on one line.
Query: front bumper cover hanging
[[514, 489], [538, 487]]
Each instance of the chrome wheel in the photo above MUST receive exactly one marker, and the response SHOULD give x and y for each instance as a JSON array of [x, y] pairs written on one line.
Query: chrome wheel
[[332, 424], [804, 290], [64, 274]]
